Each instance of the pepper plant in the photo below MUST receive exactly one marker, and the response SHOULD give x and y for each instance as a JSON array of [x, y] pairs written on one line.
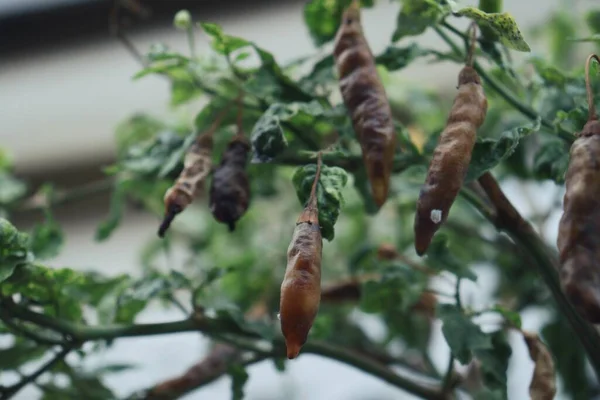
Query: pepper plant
[[227, 286]]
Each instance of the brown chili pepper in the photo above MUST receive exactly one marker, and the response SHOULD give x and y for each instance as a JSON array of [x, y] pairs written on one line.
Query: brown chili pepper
[[366, 100], [452, 154], [197, 166], [301, 287], [230, 187], [579, 228]]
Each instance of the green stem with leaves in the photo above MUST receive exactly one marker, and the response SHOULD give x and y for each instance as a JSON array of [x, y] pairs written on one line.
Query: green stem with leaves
[[219, 327], [499, 88]]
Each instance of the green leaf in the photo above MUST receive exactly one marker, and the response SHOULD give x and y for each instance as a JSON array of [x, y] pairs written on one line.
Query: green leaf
[[322, 17], [398, 289], [221, 42], [13, 249], [149, 158], [551, 161], [268, 137], [11, 189], [115, 212], [462, 335], [239, 377], [494, 363], [329, 193], [570, 361], [440, 258], [20, 353], [489, 152], [6, 160], [395, 58], [504, 25], [137, 129], [176, 157], [592, 19], [512, 317], [416, 16], [47, 239]]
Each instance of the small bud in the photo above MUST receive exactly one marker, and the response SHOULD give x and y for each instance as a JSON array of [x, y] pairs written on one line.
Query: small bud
[[183, 20]]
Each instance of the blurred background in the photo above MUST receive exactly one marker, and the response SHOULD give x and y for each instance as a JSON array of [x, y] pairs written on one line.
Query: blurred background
[[65, 84]]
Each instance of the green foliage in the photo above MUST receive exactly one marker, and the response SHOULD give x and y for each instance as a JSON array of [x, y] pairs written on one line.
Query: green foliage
[[416, 16], [14, 249], [440, 258], [504, 25], [329, 193], [228, 285], [464, 337], [489, 152], [322, 18], [239, 377]]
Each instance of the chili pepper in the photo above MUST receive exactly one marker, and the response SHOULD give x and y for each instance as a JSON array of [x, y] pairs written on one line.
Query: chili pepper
[[579, 228], [366, 101], [230, 187], [452, 154], [301, 287], [197, 166]]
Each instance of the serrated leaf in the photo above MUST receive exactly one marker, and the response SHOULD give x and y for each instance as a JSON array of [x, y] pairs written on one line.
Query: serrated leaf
[[440, 258], [268, 138], [416, 16], [494, 363], [395, 58], [239, 377], [489, 152], [504, 25], [13, 249], [329, 193], [551, 161], [462, 335], [322, 18], [149, 158]]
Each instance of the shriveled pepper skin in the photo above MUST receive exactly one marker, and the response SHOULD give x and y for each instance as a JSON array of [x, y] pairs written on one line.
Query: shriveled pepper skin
[[230, 187], [366, 101], [451, 158], [579, 228]]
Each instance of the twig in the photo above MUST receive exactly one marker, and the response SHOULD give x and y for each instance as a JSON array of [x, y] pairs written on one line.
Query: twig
[[507, 218], [11, 391], [502, 91]]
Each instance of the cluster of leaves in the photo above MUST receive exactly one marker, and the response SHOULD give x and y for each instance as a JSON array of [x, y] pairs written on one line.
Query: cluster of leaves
[[289, 114]]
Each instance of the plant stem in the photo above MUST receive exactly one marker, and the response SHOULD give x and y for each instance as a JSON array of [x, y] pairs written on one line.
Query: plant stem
[[507, 218], [218, 327], [500, 89], [11, 391]]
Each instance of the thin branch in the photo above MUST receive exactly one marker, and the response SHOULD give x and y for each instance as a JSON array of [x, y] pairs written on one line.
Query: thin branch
[[11, 391], [507, 218], [501, 90]]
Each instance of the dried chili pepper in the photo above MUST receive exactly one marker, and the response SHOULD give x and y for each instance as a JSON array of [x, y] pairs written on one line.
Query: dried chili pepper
[[452, 154], [301, 286], [579, 228], [230, 187], [197, 166], [366, 100]]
